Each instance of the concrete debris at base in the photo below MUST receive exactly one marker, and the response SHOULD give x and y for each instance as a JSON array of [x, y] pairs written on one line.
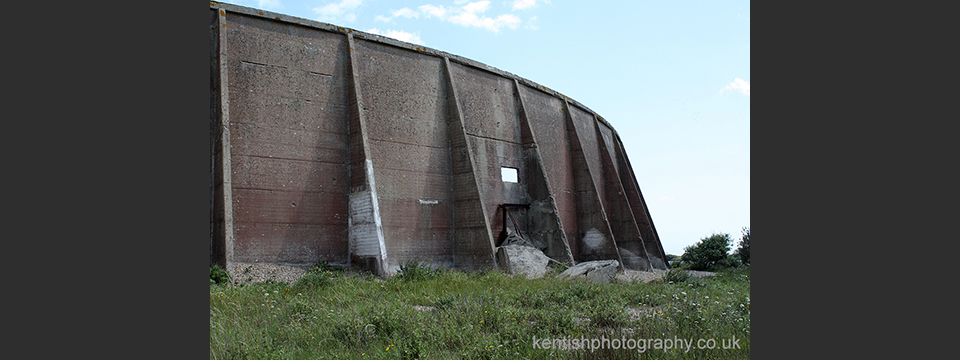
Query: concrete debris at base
[[523, 260], [629, 276], [334, 145], [514, 239], [699, 274], [602, 271]]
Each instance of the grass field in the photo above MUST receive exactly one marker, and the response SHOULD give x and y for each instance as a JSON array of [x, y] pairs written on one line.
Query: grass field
[[481, 315]]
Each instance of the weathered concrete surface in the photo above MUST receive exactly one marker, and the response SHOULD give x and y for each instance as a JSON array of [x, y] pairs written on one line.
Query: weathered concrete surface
[[628, 275], [522, 260], [331, 144], [602, 271]]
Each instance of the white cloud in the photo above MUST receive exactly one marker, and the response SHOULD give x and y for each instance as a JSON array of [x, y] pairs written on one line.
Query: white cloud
[[338, 11], [468, 15], [523, 4], [405, 12], [435, 11], [475, 7], [738, 84], [269, 4], [399, 35]]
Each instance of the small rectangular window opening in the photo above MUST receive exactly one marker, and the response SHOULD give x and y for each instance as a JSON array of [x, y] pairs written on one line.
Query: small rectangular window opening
[[508, 174]]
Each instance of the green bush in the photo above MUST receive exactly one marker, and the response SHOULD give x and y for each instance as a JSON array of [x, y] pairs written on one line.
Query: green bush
[[557, 267], [314, 280], [218, 275], [731, 261], [417, 271], [743, 251], [676, 276], [673, 260], [708, 253]]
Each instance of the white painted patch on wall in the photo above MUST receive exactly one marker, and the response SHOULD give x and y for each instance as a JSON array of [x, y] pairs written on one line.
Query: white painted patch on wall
[[594, 239], [365, 226], [429, 202], [364, 239]]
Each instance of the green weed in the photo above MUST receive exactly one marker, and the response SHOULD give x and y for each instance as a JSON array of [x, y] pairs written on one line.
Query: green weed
[[218, 275], [437, 314]]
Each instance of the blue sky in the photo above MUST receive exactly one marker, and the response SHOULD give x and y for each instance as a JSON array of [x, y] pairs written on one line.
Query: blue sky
[[672, 77]]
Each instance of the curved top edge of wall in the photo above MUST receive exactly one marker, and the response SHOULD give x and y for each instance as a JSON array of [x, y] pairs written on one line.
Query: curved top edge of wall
[[405, 45]]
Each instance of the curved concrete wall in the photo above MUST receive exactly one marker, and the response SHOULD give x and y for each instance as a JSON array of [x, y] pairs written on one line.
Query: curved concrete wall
[[336, 145]]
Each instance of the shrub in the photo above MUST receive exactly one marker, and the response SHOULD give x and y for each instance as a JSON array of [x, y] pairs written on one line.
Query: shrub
[[731, 261], [743, 251], [416, 271], [707, 253], [314, 280], [218, 275], [673, 260], [676, 276], [557, 267]]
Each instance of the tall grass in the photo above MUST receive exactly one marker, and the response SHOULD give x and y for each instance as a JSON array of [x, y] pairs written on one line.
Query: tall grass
[[481, 315]]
